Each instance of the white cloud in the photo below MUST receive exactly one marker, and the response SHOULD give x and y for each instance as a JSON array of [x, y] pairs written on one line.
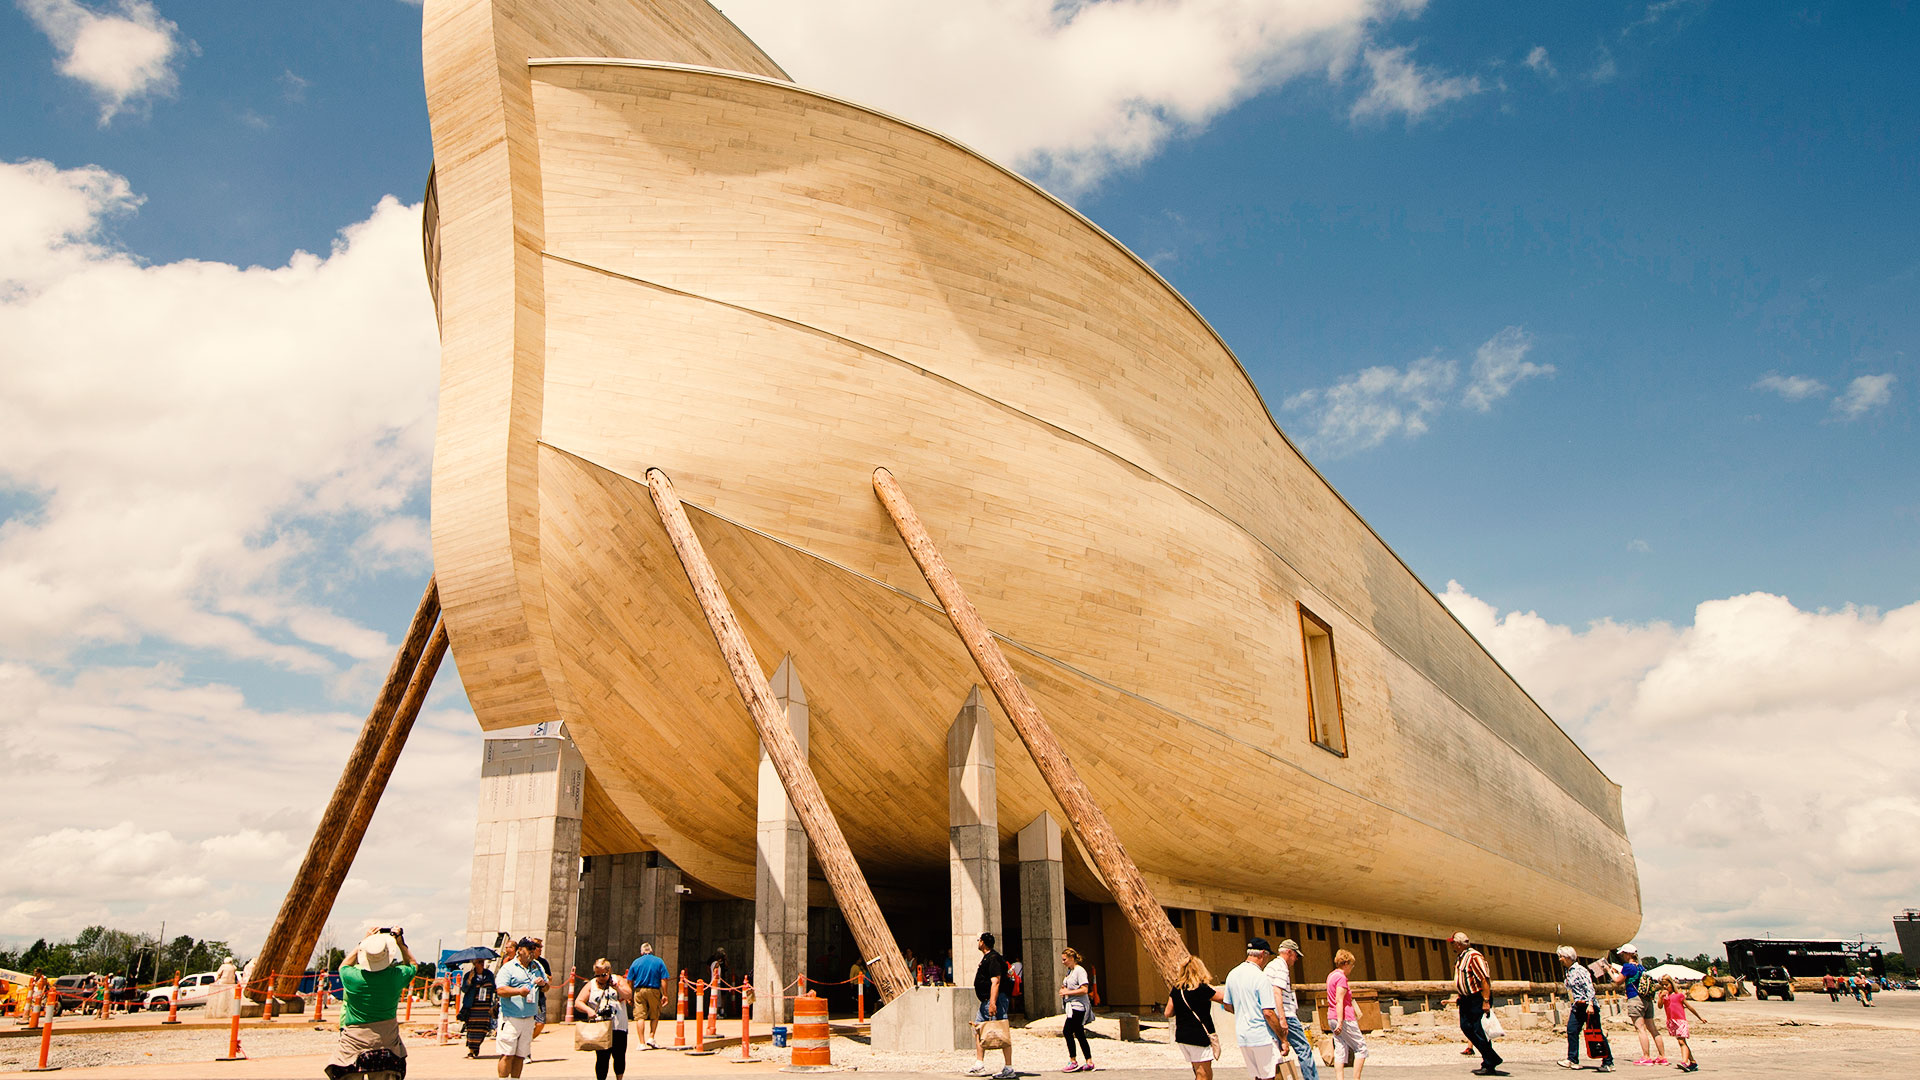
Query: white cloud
[[1538, 60], [1764, 752], [1067, 91], [1498, 365], [1371, 406], [1398, 85], [1365, 409], [1791, 387], [125, 56], [195, 433], [1863, 395], [1639, 546], [213, 804]]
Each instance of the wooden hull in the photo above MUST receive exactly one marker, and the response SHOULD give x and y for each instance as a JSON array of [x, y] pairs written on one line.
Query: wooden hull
[[767, 293]]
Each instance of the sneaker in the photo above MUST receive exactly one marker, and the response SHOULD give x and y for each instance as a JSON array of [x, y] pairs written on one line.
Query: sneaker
[[1660, 1061], [977, 1069], [1071, 1066], [1006, 1074], [1605, 1067], [1568, 1064], [1087, 1067]]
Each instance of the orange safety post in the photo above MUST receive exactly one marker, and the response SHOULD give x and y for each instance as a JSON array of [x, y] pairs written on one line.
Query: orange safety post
[[810, 1032], [36, 1002], [320, 996], [680, 1015], [446, 995], [746, 1033], [173, 1003], [233, 1030], [46, 1039], [273, 991], [410, 997], [860, 997], [713, 1010], [106, 998], [700, 1018]]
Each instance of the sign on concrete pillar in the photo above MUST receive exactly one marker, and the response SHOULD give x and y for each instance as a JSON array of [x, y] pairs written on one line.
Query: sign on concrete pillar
[[526, 850], [1043, 914], [973, 836], [780, 869]]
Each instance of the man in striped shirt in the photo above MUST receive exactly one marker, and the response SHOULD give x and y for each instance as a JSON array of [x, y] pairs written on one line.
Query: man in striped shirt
[[1584, 1004], [1471, 979]]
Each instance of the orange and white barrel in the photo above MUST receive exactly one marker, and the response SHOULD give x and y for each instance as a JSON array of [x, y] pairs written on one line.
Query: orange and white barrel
[[810, 1033]]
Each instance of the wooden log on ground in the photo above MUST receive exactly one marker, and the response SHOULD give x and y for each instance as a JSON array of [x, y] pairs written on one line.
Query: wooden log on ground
[[850, 889], [347, 845], [1144, 913], [276, 953]]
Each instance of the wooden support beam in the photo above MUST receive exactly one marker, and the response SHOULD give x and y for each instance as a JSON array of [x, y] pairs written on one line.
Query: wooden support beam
[[849, 886], [277, 952], [347, 846], [1148, 918]]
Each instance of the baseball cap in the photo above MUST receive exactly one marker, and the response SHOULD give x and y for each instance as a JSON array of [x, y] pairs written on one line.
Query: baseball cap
[[1629, 949], [1258, 944], [1288, 943], [524, 943]]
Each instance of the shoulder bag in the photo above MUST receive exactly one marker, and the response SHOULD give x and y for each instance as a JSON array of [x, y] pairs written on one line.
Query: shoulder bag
[[1213, 1037]]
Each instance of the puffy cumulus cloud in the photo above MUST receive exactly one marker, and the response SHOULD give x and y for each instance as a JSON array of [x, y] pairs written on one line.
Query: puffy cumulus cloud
[[1863, 395], [1397, 85], [213, 802], [1067, 90], [1765, 753], [1539, 62], [1790, 387], [124, 55], [1371, 406], [189, 437]]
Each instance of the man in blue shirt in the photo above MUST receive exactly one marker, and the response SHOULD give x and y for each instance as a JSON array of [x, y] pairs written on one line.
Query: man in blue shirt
[[1256, 1024], [518, 985], [647, 975]]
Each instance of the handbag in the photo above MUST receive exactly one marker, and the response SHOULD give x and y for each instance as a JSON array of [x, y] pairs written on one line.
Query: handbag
[[593, 1035], [1596, 1039], [996, 1034]]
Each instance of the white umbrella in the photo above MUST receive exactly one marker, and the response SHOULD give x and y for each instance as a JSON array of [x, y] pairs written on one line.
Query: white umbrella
[[1679, 972]]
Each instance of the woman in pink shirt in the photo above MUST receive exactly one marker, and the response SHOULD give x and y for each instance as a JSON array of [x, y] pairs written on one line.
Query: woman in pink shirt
[[1343, 1019]]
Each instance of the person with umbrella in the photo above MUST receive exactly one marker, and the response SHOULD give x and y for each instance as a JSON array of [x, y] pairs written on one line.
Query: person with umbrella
[[477, 999]]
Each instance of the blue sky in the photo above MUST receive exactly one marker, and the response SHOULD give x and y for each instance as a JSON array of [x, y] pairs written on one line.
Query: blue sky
[[1605, 313]]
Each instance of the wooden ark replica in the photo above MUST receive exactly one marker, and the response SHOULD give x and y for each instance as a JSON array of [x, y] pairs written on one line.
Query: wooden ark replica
[[651, 250]]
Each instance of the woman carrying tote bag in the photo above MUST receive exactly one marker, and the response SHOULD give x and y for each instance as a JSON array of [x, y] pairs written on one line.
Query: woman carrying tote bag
[[600, 1013], [1190, 1004]]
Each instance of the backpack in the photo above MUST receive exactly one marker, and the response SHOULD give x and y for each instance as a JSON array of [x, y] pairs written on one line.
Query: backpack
[[1645, 987]]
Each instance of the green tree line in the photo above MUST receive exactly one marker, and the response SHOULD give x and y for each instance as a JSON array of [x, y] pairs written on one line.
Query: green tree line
[[98, 949]]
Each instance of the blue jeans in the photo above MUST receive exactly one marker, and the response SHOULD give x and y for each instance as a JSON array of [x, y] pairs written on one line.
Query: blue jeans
[[1297, 1038], [1576, 1024], [1005, 1003]]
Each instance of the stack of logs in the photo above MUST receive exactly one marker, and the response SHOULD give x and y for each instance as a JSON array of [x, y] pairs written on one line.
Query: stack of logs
[[303, 914]]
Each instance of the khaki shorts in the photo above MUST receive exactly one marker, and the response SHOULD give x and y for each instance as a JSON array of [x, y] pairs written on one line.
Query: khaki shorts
[[1262, 1060], [1636, 1008], [515, 1037], [646, 1003]]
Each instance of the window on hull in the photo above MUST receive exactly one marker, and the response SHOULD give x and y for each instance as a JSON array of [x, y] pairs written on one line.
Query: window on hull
[[1325, 725]]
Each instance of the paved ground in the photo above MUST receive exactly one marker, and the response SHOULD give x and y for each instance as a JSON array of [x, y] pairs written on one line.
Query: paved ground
[[1809, 1037]]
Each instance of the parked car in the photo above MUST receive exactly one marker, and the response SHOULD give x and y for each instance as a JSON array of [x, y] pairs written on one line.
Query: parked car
[[1770, 978], [74, 993], [195, 989]]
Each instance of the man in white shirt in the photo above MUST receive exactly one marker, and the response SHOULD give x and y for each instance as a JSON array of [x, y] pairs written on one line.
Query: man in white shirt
[[1280, 974], [1256, 1026]]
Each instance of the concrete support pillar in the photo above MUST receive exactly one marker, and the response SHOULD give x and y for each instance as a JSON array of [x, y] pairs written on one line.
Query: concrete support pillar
[[973, 838], [627, 900], [780, 869], [526, 851], [1043, 914]]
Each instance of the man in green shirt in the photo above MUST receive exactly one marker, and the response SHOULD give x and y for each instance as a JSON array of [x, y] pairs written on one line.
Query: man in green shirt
[[372, 978]]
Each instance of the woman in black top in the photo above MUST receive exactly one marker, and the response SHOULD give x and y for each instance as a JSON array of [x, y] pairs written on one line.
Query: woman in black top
[[1191, 1006]]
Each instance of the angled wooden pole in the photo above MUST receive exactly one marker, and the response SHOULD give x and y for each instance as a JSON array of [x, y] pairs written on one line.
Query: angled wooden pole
[[1089, 822], [276, 952], [347, 846], [850, 889]]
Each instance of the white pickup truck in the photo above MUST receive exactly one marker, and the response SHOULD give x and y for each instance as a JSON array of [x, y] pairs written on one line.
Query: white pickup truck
[[194, 990]]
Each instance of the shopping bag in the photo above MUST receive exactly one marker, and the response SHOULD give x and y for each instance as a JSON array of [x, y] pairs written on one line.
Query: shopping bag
[[1490, 1023], [593, 1035], [996, 1035]]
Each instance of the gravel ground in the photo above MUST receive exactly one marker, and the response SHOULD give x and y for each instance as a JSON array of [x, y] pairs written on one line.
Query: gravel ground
[[155, 1046]]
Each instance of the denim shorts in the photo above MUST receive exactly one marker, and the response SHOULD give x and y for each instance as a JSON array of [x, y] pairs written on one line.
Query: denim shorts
[[1005, 1003]]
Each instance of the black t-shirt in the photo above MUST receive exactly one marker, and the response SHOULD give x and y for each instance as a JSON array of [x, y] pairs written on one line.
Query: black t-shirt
[[991, 965], [1193, 1015]]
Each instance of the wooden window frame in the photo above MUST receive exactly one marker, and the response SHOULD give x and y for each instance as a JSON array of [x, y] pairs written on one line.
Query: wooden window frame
[[1333, 665]]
